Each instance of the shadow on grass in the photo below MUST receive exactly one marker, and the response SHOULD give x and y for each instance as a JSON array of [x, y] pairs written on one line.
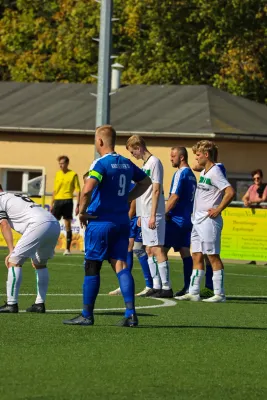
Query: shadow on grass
[[97, 313], [249, 328]]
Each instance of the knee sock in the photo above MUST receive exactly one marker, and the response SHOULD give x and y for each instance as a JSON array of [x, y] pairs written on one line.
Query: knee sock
[[14, 278], [208, 277], [164, 272], [188, 267], [42, 279], [196, 278], [91, 287], [218, 282], [130, 260], [69, 239], [146, 271], [126, 282], [153, 266]]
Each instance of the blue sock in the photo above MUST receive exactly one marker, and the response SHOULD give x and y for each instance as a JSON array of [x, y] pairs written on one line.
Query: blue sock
[[91, 286], [188, 267], [208, 277], [146, 271], [130, 260], [126, 282]]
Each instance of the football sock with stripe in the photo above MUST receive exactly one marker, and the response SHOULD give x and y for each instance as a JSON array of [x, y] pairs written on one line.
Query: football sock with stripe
[[42, 280], [14, 278], [130, 260], [164, 272], [91, 285], [153, 266], [146, 271], [196, 278], [126, 282], [188, 268], [218, 282], [208, 277]]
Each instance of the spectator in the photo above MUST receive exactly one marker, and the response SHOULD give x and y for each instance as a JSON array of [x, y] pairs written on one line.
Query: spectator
[[256, 193]]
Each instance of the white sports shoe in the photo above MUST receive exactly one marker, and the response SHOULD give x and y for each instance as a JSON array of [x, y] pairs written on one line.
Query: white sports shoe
[[217, 298], [144, 292], [116, 292], [188, 297], [66, 253]]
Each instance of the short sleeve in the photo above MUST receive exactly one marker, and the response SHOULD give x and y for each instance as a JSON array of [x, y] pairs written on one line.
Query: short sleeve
[[138, 174], [76, 183], [157, 172], [218, 180], [178, 182], [3, 215], [97, 170]]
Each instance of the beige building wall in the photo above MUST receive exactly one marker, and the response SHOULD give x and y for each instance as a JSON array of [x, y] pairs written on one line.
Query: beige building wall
[[43, 150]]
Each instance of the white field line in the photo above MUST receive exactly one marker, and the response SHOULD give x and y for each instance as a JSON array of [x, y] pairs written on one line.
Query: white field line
[[165, 303]]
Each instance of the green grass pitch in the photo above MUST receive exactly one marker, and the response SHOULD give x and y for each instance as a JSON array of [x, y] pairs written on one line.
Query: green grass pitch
[[181, 351]]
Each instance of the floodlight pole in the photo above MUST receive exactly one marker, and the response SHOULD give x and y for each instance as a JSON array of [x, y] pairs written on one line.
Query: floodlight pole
[[104, 65]]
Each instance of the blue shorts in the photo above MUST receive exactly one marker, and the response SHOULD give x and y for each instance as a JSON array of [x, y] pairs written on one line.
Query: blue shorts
[[135, 231], [106, 240], [177, 236]]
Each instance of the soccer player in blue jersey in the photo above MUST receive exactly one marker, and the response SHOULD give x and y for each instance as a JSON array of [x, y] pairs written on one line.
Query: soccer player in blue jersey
[[179, 208], [104, 206], [208, 290]]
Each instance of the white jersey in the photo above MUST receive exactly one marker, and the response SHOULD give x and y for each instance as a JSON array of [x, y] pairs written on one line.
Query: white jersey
[[20, 211], [209, 193], [154, 169]]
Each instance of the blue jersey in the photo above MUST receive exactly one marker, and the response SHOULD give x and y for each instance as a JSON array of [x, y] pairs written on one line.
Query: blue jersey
[[114, 174], [184, 185], [222, 168]]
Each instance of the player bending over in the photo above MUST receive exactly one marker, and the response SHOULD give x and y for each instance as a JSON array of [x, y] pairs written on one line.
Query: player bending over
[[104, 210], [213, 195], [40, 232]]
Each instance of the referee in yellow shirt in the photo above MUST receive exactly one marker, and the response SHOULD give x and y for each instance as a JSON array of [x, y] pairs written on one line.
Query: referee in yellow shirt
[[66, 183]]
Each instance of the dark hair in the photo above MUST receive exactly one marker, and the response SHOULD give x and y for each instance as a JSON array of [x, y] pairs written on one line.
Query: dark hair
[[257, 171], [65, 158], [182, 152], [1, 187]]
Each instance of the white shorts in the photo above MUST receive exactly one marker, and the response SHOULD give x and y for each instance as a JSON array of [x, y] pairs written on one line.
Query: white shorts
[[153, 237], [38, 242], [206, 236]]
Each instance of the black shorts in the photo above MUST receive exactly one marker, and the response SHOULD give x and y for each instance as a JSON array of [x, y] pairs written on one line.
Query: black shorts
[[63, 208]]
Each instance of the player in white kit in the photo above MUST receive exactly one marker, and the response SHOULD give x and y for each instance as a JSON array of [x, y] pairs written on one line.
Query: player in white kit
[[153, 218], [212, 196], [40, 232]]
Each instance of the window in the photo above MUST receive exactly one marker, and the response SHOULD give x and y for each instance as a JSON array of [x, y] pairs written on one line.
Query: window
[[240, 183], [16, 179]]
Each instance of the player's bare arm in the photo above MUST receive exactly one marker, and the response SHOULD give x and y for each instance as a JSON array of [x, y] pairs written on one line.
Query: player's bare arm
[[85, 199], [229, 194], [155, 200], [171, 203], [140, 188], [78, 194], [7, 234], [132, 210]]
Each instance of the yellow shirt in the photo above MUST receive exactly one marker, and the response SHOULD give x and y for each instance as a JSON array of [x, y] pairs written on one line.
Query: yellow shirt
[[65, 185]]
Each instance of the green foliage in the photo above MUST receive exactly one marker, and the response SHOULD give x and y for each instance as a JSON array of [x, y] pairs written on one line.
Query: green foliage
[[220, 42]]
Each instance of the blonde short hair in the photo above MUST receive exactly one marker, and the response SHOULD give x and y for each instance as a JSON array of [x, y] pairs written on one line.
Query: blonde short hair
[[107, 134], [135, 141], [206, 146]]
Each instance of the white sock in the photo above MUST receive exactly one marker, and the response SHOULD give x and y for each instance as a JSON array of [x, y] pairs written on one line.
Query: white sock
[[218, 282], [164, 272], [195, 281], [153, 267], [14, 278], [42, 279]]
